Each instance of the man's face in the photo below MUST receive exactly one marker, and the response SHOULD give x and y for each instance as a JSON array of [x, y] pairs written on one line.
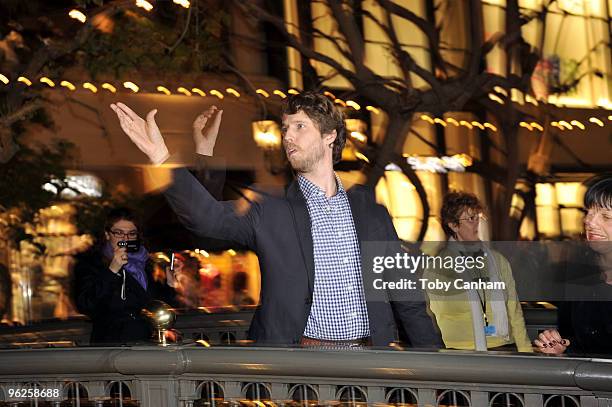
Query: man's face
[[467, 226], [304, 146], [598, 229]]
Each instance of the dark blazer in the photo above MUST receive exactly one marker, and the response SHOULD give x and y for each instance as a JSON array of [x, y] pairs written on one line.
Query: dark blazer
[[97, 293], [278, 231]]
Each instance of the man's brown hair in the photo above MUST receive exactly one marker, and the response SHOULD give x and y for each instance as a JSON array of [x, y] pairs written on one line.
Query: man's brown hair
[[326, 116]]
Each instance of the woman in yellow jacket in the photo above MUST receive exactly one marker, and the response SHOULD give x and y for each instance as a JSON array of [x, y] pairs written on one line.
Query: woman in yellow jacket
[[478, 317]]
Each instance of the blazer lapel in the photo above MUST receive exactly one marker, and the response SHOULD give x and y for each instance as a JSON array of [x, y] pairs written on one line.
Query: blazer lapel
[[301, 221]]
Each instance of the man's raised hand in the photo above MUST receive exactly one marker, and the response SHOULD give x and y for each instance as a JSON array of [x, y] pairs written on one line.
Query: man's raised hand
[[144, 133], [205, 131]]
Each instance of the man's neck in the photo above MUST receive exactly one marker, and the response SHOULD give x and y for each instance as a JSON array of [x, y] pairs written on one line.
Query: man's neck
[[324, 178]]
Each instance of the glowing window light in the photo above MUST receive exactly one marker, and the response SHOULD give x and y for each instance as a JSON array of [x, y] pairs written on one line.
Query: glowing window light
[[216, 93], [490, 126], [526, 125], [565, 124], [267, 134], [440, 122], [182, 3], [466, 124], [262, 93], [496, 98], [329, 94], [373, 109], [199, 91], [184, 91], [501, 90], [353, 104], [452, 121], [4, 79], [231, 252], [577, 124], [293, 92], [279, 93], [340, 102], [163, 90], [427, 118], [610, 117], [25, 80], [47, 81], [131, 86], [537, 126], [77, 15], [68, 85], [90, 86], [478, 124], [109, 87], [596, 121], [233, 91], [144, 4]]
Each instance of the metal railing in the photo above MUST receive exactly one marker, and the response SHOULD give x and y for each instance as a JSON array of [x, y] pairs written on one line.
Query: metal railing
[[233, 376]]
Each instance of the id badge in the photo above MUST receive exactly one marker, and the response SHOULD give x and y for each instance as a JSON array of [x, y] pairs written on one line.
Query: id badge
[[490, 330]]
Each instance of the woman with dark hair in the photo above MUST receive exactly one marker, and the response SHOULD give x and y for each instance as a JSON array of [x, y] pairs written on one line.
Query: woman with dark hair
[[113, 282], [585, 325], [475, 319]]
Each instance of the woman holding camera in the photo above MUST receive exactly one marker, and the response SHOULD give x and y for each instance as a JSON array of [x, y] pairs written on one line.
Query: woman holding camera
[[114, 283]]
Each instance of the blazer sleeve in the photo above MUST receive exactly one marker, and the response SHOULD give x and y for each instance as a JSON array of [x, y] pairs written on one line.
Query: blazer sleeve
[[412, 312], [205, 216]]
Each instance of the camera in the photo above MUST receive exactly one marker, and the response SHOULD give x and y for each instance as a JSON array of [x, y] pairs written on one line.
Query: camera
[[131, 246]]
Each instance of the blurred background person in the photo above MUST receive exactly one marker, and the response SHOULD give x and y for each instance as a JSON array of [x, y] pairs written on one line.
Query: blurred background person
[[585, 326], [113, 282], [185, 280], [475, 319]]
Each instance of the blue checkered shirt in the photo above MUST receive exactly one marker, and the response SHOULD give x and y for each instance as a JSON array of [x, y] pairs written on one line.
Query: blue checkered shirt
[[338, 310]]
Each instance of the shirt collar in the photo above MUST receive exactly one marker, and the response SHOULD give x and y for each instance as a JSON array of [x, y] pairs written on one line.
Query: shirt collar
[[310, 190]]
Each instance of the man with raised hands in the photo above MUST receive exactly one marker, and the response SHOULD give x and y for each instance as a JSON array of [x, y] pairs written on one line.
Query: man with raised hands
[[308, 242]]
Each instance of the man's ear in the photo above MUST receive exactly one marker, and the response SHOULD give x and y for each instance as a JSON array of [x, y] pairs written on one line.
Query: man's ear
[[330, 137]]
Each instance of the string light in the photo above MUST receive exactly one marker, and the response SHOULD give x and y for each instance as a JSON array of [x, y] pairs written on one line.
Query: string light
[[329, 94], [77, 15], [216, 93], [4, 79], [361, 157], [537, 126], [372, 109], [182, 3], [90, 87], [452, 121], [279, 93], [184, 91], [233, 91], [427, 119], [501, 90], [496, 98], [47, 81], [531, 100], [24, 80], [293, 92], [440, 122], [340, 102], [565, 124], [68, 85], [490, 126], [557, 125], [199, 91], [353, 104], [526, 125], [262, 93], [144, 4], [131, 86], [596, 121], [478, 124], [163, 90], [109, 87], [577, 124], [466, 124]]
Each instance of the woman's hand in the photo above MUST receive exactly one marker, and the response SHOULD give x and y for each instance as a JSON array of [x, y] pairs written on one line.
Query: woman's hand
[[119, 260], [205, 132], [145, 134], [550, 342]]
